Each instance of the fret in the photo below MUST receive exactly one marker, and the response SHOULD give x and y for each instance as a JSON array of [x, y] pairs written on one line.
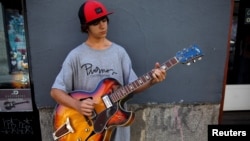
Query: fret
[[168, 64], [123, 91], [137, 84], [150, 74], [134, 85], [173, 61], [143, 79], [119, 94], [140, 81], [131, 87], [116, 96], [112, 97], [126, 88], [148, 77]]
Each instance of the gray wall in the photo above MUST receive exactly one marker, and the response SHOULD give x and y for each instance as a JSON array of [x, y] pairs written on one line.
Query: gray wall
[[150, 30]]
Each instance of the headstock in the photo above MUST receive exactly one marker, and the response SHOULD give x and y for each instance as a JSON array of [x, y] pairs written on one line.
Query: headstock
[[188, 55]]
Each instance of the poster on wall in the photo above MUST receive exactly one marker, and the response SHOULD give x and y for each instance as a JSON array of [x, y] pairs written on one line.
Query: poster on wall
[[15, 92], [17, 42]]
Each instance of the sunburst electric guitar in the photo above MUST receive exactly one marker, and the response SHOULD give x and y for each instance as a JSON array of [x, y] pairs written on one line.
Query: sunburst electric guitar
[[109, 112]]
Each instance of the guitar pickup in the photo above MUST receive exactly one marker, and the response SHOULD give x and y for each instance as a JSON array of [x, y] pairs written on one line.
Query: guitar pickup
[[107, 101]]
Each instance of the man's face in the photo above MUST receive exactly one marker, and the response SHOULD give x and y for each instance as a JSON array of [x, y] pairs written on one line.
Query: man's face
[[98, 28]]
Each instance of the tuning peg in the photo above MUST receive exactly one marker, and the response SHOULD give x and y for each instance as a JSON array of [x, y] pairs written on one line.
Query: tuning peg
[[194, 60], [199, 58], [188, 64]]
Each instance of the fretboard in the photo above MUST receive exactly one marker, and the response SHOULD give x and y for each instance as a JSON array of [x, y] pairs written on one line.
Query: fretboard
[[124, 91]]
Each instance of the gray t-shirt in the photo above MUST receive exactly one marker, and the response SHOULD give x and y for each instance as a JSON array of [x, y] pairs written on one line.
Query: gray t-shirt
[[84, 68]]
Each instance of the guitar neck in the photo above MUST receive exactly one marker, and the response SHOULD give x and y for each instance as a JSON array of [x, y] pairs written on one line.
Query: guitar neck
[[123, 91]]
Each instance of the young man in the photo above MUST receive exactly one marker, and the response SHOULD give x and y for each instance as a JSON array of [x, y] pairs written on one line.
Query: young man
[[94, 60]]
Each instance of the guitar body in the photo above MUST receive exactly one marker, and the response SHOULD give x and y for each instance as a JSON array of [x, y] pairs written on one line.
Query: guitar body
[[97, 128]]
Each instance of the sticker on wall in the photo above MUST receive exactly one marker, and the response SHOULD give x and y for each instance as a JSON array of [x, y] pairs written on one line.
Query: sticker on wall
[[15, 100]]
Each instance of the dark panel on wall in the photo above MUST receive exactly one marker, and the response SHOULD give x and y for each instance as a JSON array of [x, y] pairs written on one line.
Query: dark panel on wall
[[19, 126], [150, 31]]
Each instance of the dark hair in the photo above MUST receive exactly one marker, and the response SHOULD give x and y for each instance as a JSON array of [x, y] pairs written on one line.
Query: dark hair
[[84, 27]]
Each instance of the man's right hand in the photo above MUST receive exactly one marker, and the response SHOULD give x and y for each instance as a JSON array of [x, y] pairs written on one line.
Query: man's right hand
[[86, 107]]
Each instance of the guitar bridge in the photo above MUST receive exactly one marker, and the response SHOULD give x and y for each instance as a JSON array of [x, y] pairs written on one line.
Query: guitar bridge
[[63, 130]]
